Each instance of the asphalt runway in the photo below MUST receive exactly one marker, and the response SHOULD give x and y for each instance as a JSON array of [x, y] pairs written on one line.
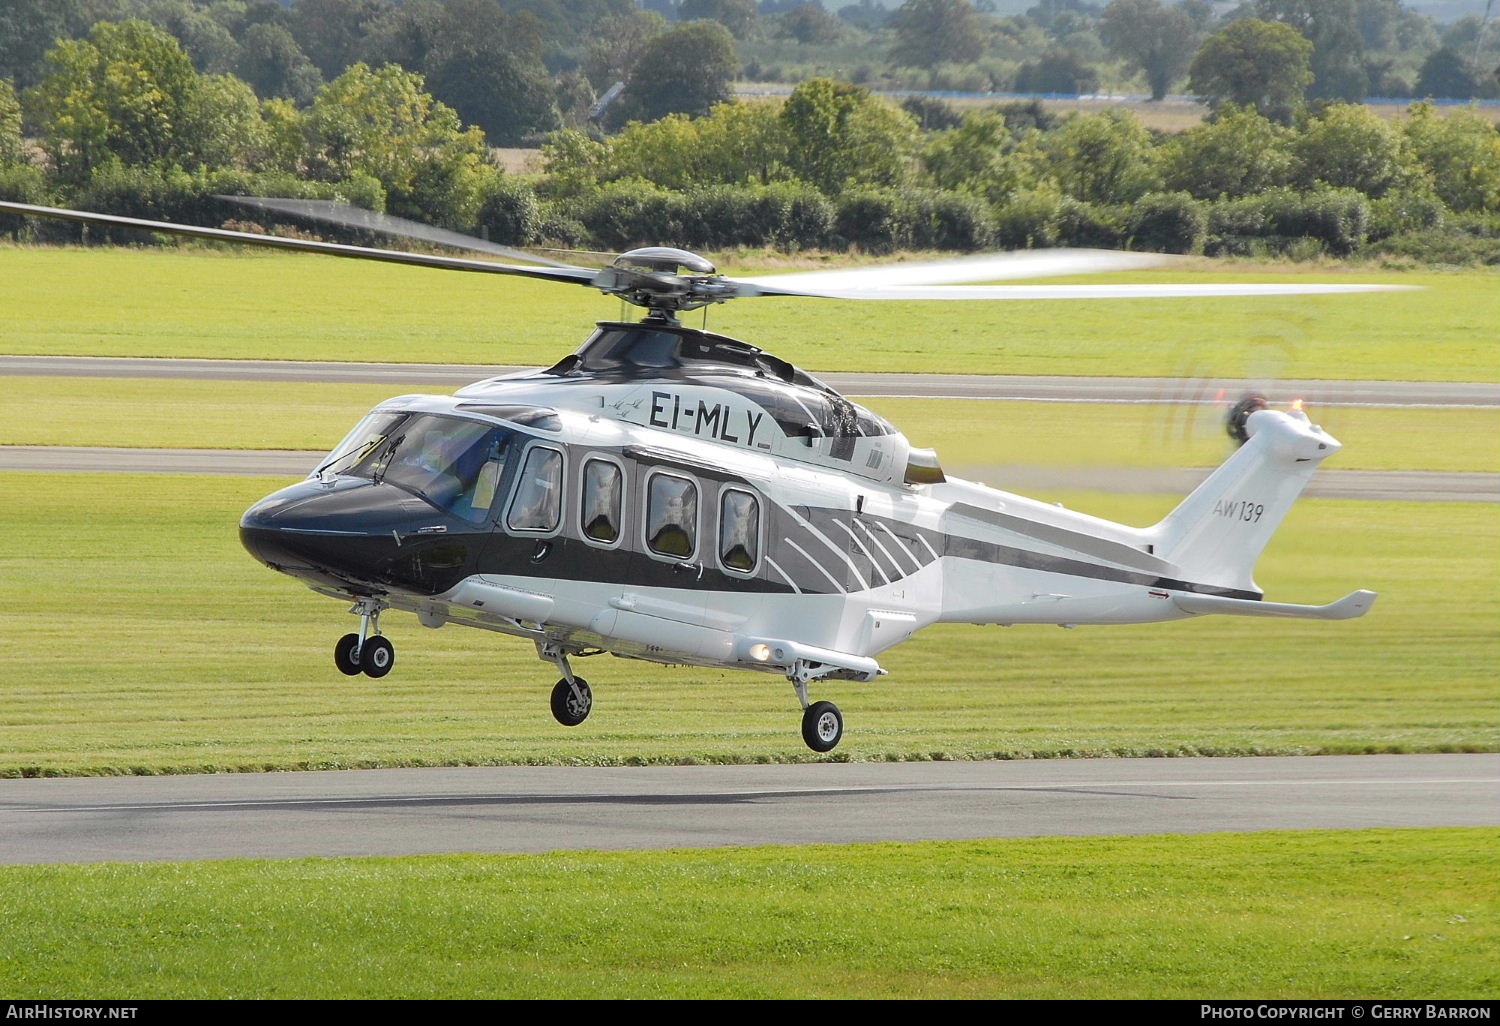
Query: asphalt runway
[[536, 809], [963, 386], [1386, 485]]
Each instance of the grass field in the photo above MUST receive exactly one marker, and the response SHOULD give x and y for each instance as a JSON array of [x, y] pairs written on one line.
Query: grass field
[[157, 413], [137, 637], [1337, 914], [160, 302]]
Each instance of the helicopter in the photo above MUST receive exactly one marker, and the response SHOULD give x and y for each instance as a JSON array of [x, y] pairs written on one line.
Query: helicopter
[[673, 495]]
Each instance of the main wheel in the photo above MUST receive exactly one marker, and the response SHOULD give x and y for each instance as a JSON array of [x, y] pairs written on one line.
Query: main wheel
[[343, 654], [822, 726], [571, 709], [378, 657]]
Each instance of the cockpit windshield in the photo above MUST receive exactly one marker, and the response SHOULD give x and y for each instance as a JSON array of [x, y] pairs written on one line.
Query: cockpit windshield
[[454, 463]]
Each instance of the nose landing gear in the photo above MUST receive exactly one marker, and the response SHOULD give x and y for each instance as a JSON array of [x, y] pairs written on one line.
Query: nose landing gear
[[361, 653]]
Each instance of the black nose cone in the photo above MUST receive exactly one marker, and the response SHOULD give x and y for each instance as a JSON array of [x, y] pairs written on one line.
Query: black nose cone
[[355, 535]]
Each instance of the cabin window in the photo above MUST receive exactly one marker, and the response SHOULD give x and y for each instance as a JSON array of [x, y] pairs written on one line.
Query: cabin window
[[739, 531], [602, 494], [537, 505], [671, 516]]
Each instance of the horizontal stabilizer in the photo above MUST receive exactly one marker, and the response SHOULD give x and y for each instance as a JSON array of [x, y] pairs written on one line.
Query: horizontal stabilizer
[[1356, 603]]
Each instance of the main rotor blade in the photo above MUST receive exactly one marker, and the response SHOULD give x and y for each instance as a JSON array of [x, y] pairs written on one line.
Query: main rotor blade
[[357, 217], [577, 276], [1164, 291], [1039, 263]]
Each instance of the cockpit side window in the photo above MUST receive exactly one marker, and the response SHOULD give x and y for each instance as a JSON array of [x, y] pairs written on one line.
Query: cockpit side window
[[537, 505], [672, 516], [739, 531], [602, 502]]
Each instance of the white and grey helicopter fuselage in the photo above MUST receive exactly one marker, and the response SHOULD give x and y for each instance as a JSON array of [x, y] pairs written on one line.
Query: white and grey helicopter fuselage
[[678, 497]]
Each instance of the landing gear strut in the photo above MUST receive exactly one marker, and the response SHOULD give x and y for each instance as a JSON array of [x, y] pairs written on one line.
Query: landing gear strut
[[571, 697], [362, 653], [822, 723]]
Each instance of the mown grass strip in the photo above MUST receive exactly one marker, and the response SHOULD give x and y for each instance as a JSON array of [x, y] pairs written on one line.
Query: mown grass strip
[[168, 413], [276, 306], [1339, 914], [136, 636]]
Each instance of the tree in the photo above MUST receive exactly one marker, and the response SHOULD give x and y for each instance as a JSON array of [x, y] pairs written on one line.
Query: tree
[[383, 124], [809, 24], [12, 143], [1103, 158], [618, 44], [211, 46], [686, 71], [1254, 63], [1237, 153], [120, 95], [840, 135], [1333, 28], [738, 16], [977, 157], [274, 65], [332, 32], [1446, 74], [1350, 146], [933, 32], [223, 127], [405, 35], [1057, 71], [504, 90], [1461, 150], [30, 28], [1159, 40]]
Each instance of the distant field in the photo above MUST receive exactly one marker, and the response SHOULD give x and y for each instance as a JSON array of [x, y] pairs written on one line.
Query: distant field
[[160, 302], [166, 413], [1310, 914], [136, 636]]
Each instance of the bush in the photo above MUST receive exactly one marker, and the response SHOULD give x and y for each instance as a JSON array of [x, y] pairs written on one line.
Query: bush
[[22, 183], [1402, 211], [1166, 222], [949, 221], [875, 220], [631, 213], [1433, 246], [1088, 225], [509, 212], [558, 227], [803, 216], [1028, 221], [1336, 218]]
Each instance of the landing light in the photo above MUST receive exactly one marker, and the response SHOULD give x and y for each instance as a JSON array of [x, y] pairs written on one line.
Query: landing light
[[1296, 405], [760, 652]]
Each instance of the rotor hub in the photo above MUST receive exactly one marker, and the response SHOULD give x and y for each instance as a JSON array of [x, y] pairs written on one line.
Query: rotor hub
[[664, 280]]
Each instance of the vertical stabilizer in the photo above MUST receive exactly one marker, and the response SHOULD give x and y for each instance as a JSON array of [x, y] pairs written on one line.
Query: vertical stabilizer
[[1218, 532]]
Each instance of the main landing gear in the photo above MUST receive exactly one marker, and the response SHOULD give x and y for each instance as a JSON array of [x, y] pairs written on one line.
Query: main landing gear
[[822, 723], [571, 697], [363, 653]]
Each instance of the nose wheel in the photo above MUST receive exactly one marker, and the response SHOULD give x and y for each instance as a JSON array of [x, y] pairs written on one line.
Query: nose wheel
[[346, 655], [361, 653], [374, 658]]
